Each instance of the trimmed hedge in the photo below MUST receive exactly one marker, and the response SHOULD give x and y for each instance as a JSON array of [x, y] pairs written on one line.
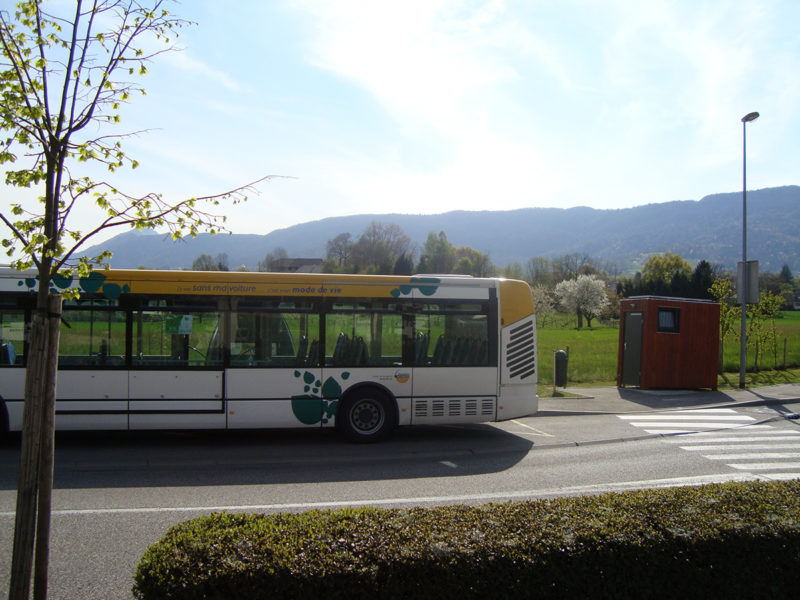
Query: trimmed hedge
[[738, 540]]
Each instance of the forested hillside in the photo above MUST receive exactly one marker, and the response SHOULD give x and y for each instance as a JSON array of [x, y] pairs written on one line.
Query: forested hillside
[[709, 229]]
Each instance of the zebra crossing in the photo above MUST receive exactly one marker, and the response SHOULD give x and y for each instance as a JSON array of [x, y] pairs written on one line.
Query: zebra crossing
[[734, 439]]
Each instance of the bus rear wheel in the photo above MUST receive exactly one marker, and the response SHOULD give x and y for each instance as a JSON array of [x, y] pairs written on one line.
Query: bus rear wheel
[[366, 415]]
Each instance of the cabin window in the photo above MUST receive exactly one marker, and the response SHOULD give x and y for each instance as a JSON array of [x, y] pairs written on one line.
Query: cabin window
[[669, 320]]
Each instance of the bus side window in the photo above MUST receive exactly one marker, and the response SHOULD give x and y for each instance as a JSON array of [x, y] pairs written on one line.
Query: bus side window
[[12, 338], [461, 331], [364, 334], [92, 335], [176, 338], [274, 339]]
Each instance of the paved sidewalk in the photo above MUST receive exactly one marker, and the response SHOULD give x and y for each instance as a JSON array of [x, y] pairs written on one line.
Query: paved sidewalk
[[602, 400]]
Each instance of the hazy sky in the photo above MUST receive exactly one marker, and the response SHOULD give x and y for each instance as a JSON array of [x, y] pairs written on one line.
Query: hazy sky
[[426, 106]]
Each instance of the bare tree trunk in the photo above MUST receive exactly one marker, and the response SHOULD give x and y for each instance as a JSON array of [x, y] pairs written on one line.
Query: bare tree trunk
[[46, 456], [27, 486], [34, 488]]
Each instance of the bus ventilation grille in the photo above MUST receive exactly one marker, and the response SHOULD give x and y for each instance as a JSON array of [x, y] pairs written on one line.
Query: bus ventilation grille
[[454, 407], [521, 351]]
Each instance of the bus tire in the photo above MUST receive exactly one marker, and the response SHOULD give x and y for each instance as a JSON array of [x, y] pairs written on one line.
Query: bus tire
[[366, 415]]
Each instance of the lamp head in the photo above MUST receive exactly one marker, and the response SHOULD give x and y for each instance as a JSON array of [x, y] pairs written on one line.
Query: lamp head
[[750, 117]]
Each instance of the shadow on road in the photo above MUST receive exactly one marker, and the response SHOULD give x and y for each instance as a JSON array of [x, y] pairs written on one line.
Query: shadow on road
[[202, 458]]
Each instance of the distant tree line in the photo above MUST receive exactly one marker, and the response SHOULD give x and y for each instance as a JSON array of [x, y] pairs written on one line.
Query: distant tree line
[[669, 275], [205, 262], [576, 282], [387, 250]]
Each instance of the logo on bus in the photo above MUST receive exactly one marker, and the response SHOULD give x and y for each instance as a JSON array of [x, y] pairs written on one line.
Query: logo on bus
[[401, 376]]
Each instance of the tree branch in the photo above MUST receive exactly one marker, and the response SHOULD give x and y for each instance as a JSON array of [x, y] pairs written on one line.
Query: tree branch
[[123, 216]]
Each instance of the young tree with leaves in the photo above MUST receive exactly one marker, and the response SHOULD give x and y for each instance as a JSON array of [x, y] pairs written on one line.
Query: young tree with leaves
[[722, 291], [662, 268], [761, 330], [64, 75], [205, 262], [438, 255], [271, 261], [473, 262]]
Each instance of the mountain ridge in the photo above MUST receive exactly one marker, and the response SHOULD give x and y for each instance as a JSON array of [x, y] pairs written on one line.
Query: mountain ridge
[[709, 228]]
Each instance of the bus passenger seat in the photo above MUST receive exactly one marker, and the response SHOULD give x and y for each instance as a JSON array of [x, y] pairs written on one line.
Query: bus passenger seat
[[438, 351], [421, 344], [7, 354], [340, 351], [313, 354], [301, 349]]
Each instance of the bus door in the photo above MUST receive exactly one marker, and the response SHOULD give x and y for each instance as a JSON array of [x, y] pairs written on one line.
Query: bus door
[[176, 376]]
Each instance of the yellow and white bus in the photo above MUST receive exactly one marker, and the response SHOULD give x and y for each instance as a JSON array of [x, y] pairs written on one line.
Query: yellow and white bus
[[214, 350]]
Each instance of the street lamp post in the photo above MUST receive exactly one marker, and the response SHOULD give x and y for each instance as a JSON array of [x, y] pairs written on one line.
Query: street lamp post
[[743, 292]]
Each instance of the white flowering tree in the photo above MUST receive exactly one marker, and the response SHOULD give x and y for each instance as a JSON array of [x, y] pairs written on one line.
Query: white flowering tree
[[584, 297], [543, 302]]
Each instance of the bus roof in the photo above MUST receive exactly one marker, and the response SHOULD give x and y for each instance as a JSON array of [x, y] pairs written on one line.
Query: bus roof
[[112, 283]]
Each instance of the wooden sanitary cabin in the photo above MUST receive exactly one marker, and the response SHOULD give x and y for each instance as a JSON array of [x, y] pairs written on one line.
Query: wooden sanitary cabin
[[668, 343]]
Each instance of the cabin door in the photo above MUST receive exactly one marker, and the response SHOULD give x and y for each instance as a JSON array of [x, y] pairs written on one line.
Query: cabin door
[[632, 349]]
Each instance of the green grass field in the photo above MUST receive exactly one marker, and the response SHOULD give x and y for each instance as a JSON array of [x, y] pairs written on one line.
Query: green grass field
[[593, 354]]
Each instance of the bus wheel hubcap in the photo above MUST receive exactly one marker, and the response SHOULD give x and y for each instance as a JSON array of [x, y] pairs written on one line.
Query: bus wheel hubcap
[[367, 416]]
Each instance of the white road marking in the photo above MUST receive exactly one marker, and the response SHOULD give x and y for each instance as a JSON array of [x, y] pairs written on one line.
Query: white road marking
[[725, 435], [765, 466], [706, 448], [535, 431], [692, 425], [761, 436], [752, 455], [784, 476], [687, 417], [410, 501]]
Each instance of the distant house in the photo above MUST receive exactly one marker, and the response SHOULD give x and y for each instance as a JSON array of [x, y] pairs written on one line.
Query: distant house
[[298, 265]]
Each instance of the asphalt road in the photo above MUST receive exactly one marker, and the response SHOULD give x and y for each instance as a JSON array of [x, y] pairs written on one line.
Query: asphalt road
[[115, 494]]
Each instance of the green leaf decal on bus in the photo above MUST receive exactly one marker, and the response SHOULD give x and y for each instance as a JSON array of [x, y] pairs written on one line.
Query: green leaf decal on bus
[[310, 407], [112, 291], [331, 389], [427, 286], [62, 282], [307, 409], [92, 283]]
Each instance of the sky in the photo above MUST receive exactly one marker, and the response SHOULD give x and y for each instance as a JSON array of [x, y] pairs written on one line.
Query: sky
[[428, 106]]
